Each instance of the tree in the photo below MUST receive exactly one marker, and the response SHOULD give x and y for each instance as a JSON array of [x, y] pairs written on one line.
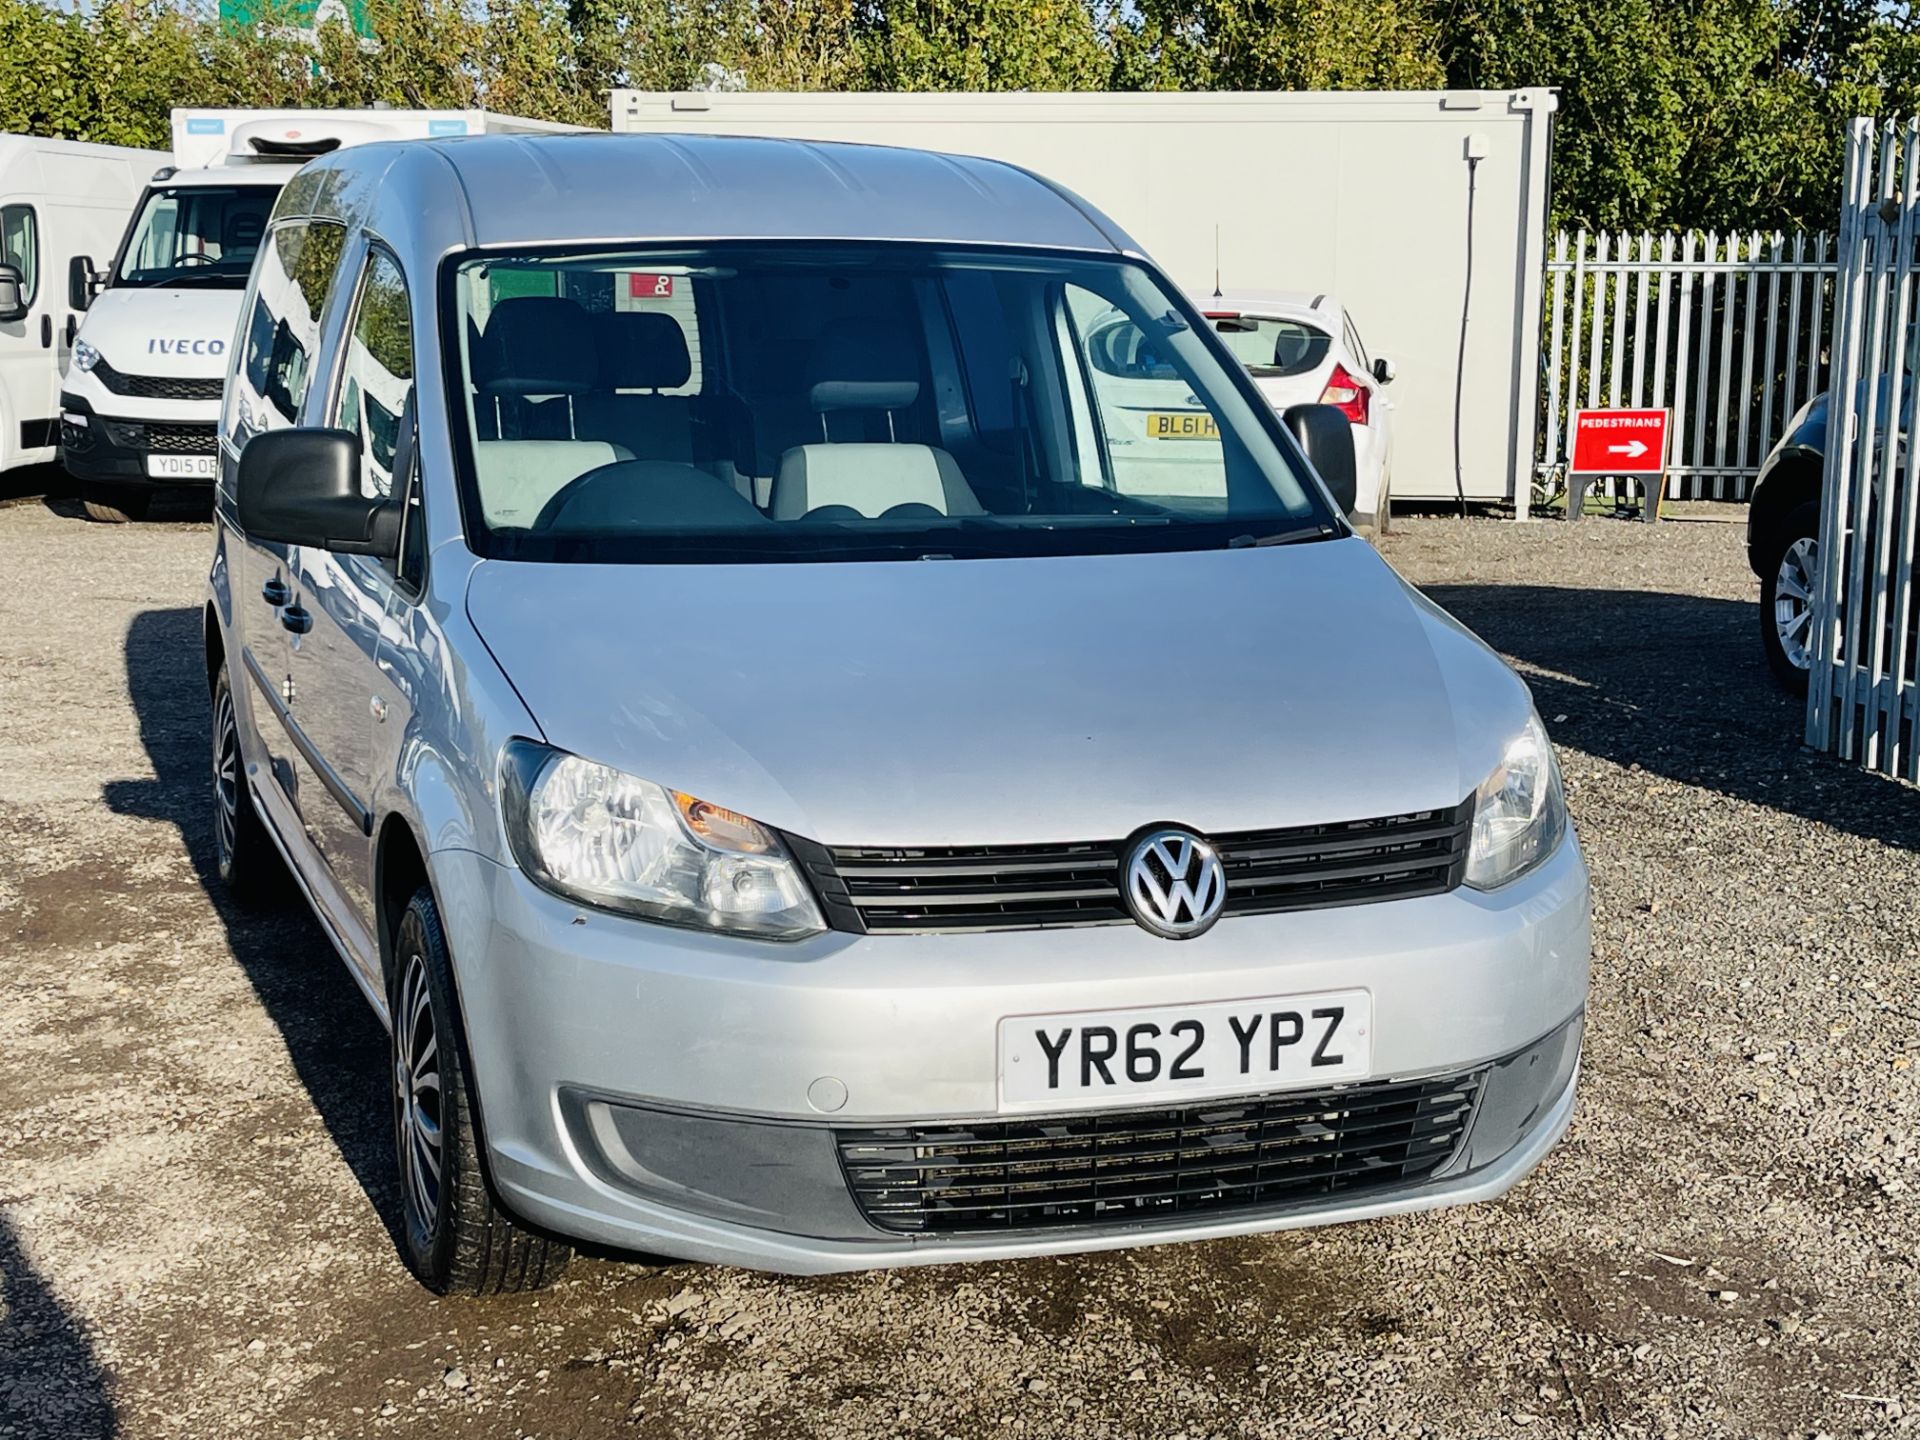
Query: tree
[[1278, 45], [981, 45]]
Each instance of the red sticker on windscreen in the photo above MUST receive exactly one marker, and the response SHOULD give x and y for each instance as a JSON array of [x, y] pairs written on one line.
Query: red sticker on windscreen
[[649, 287]]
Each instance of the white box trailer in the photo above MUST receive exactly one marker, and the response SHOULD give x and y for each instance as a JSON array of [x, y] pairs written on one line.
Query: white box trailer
[[140, 401], [1423, 211], [58, 199]]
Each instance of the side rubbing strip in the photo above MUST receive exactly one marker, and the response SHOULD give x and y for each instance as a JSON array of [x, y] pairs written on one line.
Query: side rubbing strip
[[329, 777]]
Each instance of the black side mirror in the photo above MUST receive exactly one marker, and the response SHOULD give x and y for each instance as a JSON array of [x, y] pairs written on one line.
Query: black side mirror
[[302, 487], [1383, 370], [81, 284], [1326, 434], [13, 294]]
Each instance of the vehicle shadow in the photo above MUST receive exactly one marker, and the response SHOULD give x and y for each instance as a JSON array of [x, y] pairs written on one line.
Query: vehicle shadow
[[45, 482], [53, 1384], [1676, 685], [337, 1045]]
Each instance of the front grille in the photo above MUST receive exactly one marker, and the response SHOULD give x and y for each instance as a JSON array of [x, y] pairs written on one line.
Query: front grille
[[1040, 886], [1130, 1166], [157, 387], [180, 439]]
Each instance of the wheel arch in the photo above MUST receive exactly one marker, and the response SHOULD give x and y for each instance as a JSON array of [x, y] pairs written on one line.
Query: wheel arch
[[1793, 480], [214, 644], [399, 870]]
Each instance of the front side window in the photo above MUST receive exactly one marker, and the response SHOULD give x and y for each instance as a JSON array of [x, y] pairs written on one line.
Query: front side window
[[804, 402], [378, 380], [282, 328], [203, 236], [20, 247], [1159, 436]]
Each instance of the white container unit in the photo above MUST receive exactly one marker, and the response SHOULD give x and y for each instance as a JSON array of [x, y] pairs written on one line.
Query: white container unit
[[1424, 211]]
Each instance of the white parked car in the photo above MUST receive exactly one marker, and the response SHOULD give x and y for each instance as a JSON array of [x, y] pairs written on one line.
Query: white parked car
[[1304, 349]]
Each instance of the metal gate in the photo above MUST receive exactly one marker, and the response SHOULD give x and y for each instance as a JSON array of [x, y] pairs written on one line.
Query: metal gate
[[1727, 331], [1862, 696]]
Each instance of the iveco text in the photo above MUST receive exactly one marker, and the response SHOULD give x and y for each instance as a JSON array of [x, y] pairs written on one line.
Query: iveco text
[[809, 780]]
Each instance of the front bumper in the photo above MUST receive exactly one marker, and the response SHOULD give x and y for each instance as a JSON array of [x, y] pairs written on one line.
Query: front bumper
[[674, 1092], [113, 450]]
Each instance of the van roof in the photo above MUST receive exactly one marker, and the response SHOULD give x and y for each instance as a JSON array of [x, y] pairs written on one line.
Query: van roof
[[535, 190]]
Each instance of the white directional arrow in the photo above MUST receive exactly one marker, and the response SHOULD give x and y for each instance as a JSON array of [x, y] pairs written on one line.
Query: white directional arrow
[[1633, 449]]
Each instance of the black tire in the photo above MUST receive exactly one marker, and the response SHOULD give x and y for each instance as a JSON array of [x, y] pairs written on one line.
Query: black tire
[[244, 855], [116, 506], [457, 1239], [1796, 534]]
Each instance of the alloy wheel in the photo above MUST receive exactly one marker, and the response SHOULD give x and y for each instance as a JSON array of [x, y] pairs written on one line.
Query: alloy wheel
[[226, 777], [417, 1099], [1793, 589]]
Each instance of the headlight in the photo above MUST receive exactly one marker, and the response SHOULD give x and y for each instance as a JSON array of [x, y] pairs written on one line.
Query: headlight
[[85, 357], [608, 839], [1519, 813]]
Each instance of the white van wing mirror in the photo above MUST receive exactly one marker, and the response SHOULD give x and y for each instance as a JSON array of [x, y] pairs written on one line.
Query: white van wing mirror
[[13, 298], [82, 283]]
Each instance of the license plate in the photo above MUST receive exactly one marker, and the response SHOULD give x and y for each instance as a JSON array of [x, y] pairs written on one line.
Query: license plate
[[1171, 425], [183, 467], [1180, 1052]]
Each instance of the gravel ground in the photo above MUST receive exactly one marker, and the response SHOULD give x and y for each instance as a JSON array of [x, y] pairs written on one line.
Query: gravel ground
[[195, 1203]]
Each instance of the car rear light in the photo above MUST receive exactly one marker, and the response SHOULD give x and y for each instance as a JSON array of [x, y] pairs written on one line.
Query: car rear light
[[1347, 395]]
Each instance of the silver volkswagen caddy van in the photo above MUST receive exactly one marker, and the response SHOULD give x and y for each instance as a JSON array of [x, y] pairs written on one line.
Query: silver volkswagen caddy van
[[837, 729]]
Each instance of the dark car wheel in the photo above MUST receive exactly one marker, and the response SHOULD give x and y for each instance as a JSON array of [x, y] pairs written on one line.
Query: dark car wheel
[[457, 1239], [1789, 581], [116, 506], [244, 854]]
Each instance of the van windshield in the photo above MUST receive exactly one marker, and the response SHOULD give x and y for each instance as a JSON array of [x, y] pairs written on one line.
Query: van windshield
[[763, 402], [203, 236]]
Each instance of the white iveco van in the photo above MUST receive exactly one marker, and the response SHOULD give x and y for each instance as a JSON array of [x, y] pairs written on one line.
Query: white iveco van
[[58, 199], [142, 394]]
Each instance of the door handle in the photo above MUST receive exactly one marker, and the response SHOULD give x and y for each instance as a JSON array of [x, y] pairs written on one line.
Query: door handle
[[297, 618], [46, 332], [275, 592], [73, 329]]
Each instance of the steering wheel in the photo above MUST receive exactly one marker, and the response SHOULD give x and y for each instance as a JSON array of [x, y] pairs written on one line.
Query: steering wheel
[[195, 257]]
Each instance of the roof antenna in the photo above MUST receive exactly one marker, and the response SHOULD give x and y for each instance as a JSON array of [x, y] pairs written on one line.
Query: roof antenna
[[1216, 259]]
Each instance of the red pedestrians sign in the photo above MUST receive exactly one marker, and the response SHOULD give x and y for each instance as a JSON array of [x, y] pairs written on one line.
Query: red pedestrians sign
[[1619, 442]]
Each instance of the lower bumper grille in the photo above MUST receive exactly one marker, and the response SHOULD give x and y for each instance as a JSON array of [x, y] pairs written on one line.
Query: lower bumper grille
[[1130, 1166]]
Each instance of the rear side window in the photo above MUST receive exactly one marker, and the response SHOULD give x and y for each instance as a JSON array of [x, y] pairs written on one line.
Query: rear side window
[[1274, 347], [20, 247], [295, 278]]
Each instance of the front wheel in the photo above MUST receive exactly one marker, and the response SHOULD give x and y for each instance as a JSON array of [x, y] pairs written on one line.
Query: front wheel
[[116, 506], [1789, 583], [457, 1239]]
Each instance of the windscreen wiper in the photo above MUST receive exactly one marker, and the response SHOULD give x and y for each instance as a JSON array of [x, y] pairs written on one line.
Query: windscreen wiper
[[1315, 531]]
